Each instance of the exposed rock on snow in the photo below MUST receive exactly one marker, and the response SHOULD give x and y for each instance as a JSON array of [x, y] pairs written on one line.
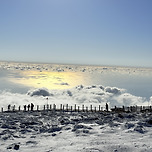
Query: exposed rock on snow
[[76, 131], [14, 146]]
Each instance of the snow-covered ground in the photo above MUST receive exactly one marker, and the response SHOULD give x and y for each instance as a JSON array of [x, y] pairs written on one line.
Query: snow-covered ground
[[48, 131]]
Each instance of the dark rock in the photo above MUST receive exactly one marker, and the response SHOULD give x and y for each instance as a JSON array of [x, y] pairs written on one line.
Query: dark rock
[[85, 131], [31, 142], [120, 116], [54, 129], [78, 126], [64, 121], [9, 147], [149, 121], [4, 126], [53, 134], [129, 125], [100, 122], [140, 129], [16, 147]]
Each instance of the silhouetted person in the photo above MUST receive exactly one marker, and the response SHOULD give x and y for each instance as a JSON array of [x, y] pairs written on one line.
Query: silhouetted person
[[32, 106], [123, 108], [14, 108], [106, 107], [47, 106], [131, 108], [28, 107], [19, 108], [24, 107], [9, 107]]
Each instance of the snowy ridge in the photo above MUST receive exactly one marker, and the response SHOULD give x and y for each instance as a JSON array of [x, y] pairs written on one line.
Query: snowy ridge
[[56, 131]]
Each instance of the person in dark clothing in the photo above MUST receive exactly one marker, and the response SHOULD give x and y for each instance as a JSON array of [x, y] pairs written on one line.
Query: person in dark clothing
[[9, 107], [28, 107], [24, 107], [14, 108], [106, 107], [32, 106], [19, 108]]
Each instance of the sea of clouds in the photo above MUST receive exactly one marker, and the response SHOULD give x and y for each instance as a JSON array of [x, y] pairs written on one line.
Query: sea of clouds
[[81, 95]]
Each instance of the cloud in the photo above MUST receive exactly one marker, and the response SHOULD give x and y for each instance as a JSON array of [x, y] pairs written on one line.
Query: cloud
[[87, 95], [39, 92], [62, 83], [114, 90]]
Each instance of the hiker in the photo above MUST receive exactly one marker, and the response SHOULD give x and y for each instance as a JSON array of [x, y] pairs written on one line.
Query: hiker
[[24, 107], [106, 107], [32, 106], [28, 107], [14, 108], [9, 107], [19, 108]]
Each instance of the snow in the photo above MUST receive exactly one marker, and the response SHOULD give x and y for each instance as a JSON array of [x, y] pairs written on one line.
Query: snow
[[85, 132]]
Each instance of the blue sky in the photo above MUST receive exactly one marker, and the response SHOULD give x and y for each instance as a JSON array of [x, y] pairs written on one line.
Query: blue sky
[[102, 32]]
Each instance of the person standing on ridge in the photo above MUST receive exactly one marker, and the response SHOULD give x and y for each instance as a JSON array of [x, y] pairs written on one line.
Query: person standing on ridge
[[28, 107], [106, 106], [32, 106]]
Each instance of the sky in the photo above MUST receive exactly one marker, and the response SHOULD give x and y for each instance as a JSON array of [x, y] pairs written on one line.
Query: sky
[[97, 32]]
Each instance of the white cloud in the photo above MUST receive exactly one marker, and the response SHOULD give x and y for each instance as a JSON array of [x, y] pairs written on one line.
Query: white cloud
[[95, 95], [39, 92]]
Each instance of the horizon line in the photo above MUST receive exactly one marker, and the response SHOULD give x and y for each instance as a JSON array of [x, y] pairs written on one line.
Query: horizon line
[[80, 64]]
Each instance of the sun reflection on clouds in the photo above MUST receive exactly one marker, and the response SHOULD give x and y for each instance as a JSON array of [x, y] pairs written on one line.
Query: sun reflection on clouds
[[50, 80]]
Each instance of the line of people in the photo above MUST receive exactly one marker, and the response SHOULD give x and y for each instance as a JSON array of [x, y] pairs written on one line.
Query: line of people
[[29, 107]]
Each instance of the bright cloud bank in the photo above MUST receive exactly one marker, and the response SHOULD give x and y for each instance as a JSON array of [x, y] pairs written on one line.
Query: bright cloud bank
[[87, 95]]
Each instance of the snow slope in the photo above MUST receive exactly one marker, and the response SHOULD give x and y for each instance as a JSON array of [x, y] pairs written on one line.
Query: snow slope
[[48, 131]]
